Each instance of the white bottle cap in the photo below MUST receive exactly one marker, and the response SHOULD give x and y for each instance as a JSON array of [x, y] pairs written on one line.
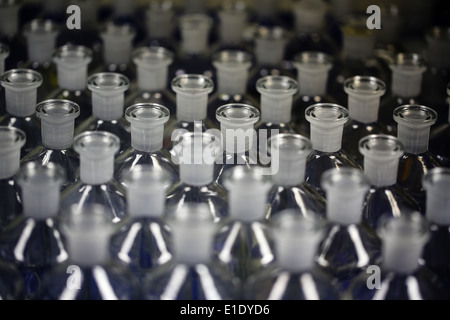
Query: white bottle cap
[[108, 95], [72, 65], [192, 92], [346, 189], [160, 13], [232, 71], [196, 153], [233, 21], [296, 239], [312, 72], [4, 53], [403, 239], [9, 17], [21, 91], [438, 47], [292, 150], [364, 94], [437, 185], [194, 29], [270, 45], [147, 125], [88, 234], [381, 157], [117, 43], [40, 188], [146, 187], [309, 15], [247, 191], [414, 122], [41, 40], [327, 125], [358, 40], [277, 94], [193, 230], [97, 150], [152, 67], [11, 141], [237, 122], [57, 122], [407, 70]]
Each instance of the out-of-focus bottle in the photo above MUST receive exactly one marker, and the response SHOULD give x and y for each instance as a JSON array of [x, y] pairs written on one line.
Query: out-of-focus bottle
[[10, 35], [440, 138], [161, 13]]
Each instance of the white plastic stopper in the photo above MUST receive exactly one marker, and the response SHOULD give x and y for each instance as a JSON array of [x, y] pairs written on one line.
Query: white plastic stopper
[[4, 53], [11, 141], [40, 187], [41, 40], [72, 66], [381, 157], [364, 93], [96, 150], [407, 70], [414, 122], [232, 71], [309, 15], [312, 72], [345, 189], [159, 22], [192, 92], [326, 125], [233, 21], [57, 122], [437, 185], [147, 125], [270, 45], [117, 43], [108, 95], [21, 91], [277, 94], [195, 28]]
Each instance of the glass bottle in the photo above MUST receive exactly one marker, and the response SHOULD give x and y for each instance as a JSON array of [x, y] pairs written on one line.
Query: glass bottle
[[414, 122], [386, 197], [327, 122], [108, 95], [33, 241], [276, 99], [312, 76], [57, 127], [364, 93], [199, 276], [400, 274], [20, 104], [350, 245], [195, 153], [237, 137], [147, 127], [232, 68], [294, 275], [96, 185], [192, 92], [439, 138], [243, 241], [406, 87], [72, 69], [290, 190], [435, 254], [11, 141], [90, 272]]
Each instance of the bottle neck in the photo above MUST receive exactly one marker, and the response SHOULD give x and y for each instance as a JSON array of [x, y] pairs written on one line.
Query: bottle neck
[[9, 163], [89, 250], [248, 206], [152, 78], [196, 174], [96, 170], [326, 139], [108, 107], [381, 172], [415, 139], [57, 135], [21, 103], [232, 81], [363, 109], [291, 172], [146, 138], [276, 109], [40, 201], [145, 202], [72, 78], [237, 139], [407, 84], [191, 107]]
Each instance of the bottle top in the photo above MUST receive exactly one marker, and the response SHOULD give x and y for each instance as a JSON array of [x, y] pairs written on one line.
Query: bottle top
[[41, 40], [309, 15], [118, 42], [312, 67], [195, 28], [72, 64], [407, 70], [232, 70], [438, 46], [270, 43], [11, 141]]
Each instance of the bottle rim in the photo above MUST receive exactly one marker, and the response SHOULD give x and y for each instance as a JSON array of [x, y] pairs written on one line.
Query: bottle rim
[[107, 82], [147, 113], [237, 113], [415, 115], [96, 143], [277, 85], [364, 85], [21, 78], [57, 109], [327, 113], [192, 83], [383, 145]]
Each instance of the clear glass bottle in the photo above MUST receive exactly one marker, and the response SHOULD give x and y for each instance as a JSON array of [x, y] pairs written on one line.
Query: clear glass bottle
[[232, 68], [20, 104], [440, 138], [33, 241], [243, 241], [108, 96], [290, 190], [90, 272], [237, 137], [364, 93], [57, 130], [386, 197], [276, 99], [12, 140], [350, 245], [435, 254], [312, 68], [97, 184], [400, 274], [72, 71], [327, 122], [193, 273], [147, 128], [294, 275], [414, 122], [195, 153]]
